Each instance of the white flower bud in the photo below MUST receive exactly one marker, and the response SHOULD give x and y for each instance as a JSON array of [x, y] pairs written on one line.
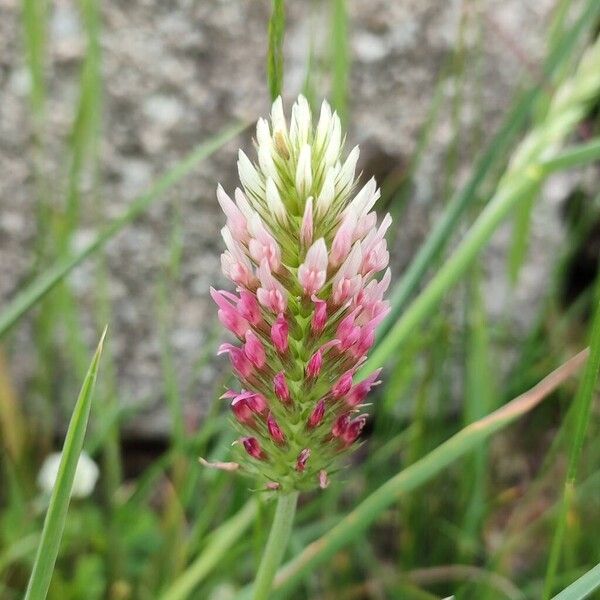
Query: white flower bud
[[346, 176], [327, 193], [278, 117], [86, 475], [248, 175], [304, 171], [334, 143], [300, 125], [274, 202], [323, 127], [263, 135]]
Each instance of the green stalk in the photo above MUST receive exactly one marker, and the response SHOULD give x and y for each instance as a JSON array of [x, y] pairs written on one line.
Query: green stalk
[[276, 544], [340, 59], [582, 407], [275, 51], [479, 400], [575, 156]]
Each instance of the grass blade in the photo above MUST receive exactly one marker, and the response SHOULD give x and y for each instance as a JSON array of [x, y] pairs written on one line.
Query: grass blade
[[576, 156], [40, 286], [524, 174], [479, 401], [275, 51], [12, 422], [61, 494], [583, 587], [359, 519], [582, 407], [340, 61], [34, 13]]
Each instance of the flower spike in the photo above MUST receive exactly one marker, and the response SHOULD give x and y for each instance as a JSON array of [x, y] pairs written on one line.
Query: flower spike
[[309, 263]]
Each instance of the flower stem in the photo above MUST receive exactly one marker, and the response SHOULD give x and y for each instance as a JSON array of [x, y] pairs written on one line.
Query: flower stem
[[276, 545]]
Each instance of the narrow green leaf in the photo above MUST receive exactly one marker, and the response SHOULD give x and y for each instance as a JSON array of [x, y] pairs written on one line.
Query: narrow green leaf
[[34, 15], [575, 156], [340, 60], [479, 401], [469, 438], [61, 494], [275, 51], [583, 587], [517, 251], [40, 286]]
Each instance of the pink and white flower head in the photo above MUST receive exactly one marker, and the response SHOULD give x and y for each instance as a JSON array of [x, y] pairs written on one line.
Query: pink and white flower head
[[308, 261]]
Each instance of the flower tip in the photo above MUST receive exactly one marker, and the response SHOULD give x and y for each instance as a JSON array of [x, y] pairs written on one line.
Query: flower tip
[[316, 417], [252, 447], [224, 348], [274, 430], [222, 466], [281, 387], [302, 460], [323, 479], [313, 368]]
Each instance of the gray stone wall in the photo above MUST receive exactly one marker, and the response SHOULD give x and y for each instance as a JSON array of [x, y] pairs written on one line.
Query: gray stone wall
[[177, 72]]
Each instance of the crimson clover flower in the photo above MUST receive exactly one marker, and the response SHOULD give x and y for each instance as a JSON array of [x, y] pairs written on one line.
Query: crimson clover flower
[[306, 255]]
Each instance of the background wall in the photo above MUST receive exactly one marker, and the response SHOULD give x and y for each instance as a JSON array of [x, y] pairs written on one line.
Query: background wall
[[174, 73]]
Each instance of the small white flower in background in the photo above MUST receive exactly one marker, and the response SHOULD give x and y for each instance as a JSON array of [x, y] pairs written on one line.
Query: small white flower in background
[[86, 475]]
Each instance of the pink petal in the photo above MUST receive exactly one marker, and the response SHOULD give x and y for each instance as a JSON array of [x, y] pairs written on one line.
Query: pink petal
[[279, 334], [319, 319], [323, 479], [340, 425], [254, 350], [342, 242], [359, 392], [354, 429], [252, 447], [302, 460], [342, 385], [313, 368], [312, 273], [241, 365], [262, 245], [249, 307], [274, 430], [317, 414], [235, 219], [281, 388], [271, 294]]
